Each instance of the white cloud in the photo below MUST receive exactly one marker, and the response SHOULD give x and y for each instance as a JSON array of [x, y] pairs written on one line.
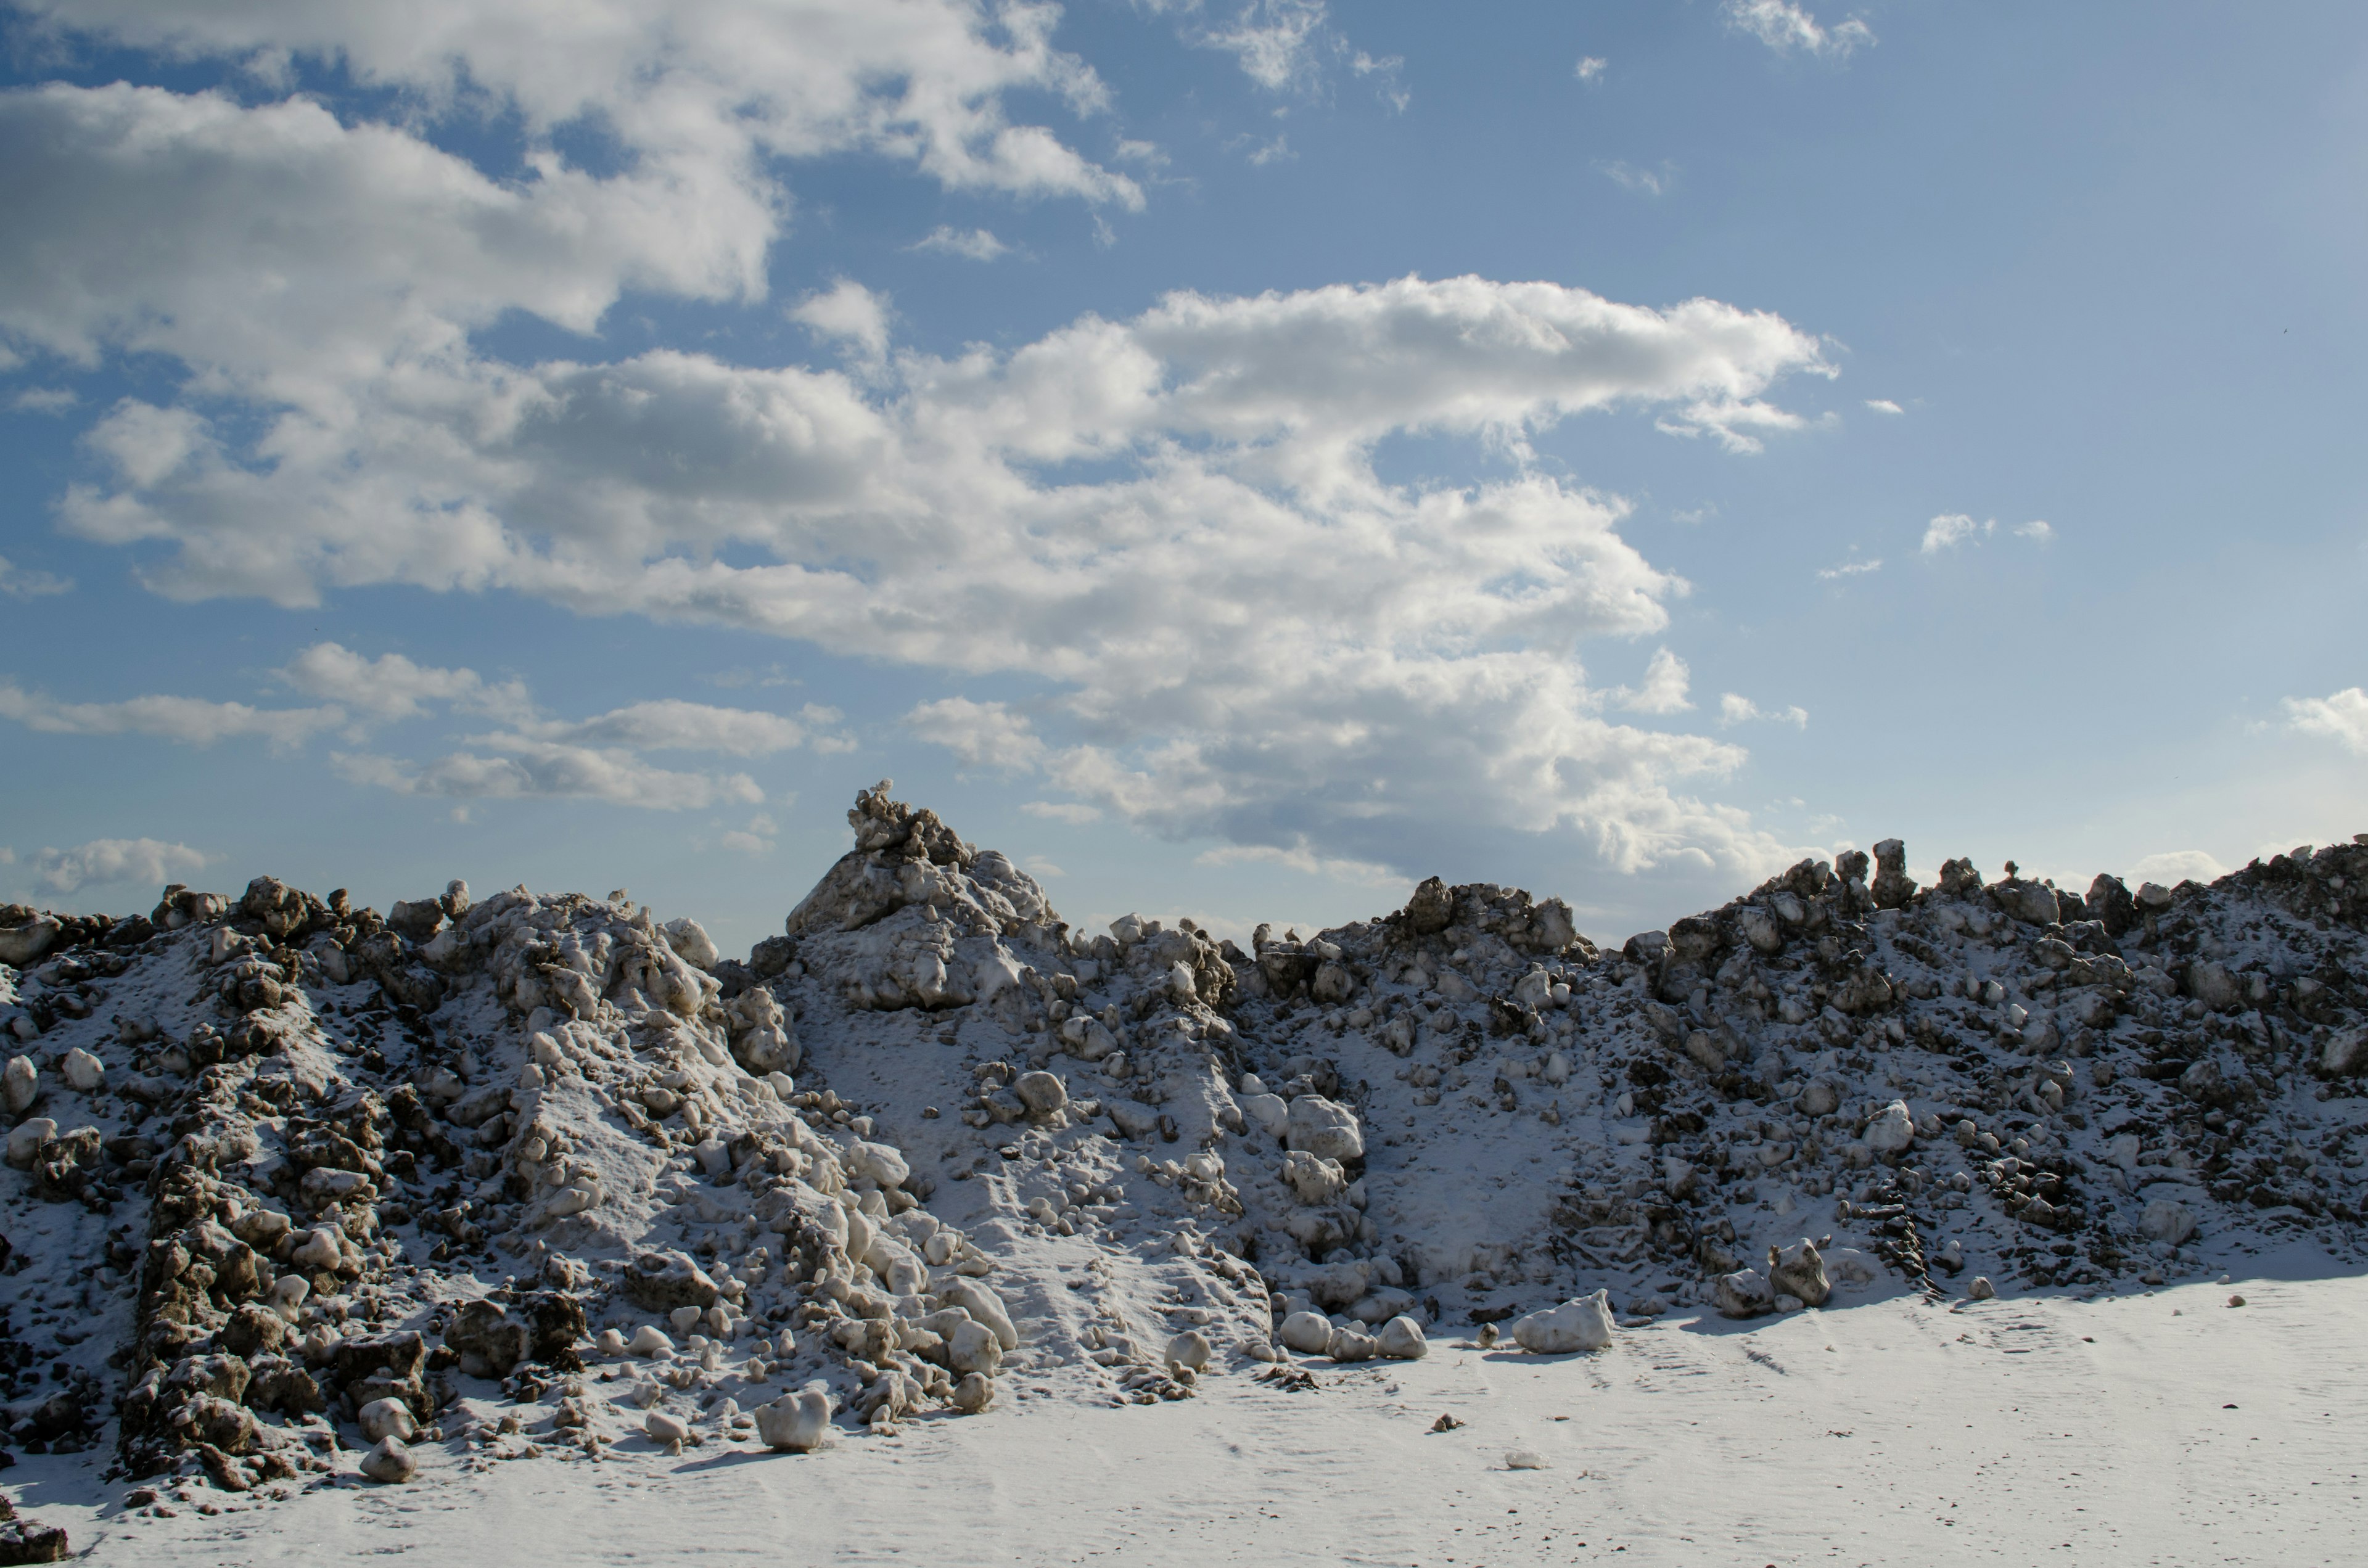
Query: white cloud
[[1298, 857], [2036, 531], [672, 724], [1239, 610], [1591, 69], [847, 312], [1651, 182], [1664, 688], [150, 860], [1037, 865], [1734, 709], [1076, 813], [756, 838], [1884, 405], [391, 687], [1784, 27], [1850, 569], [1278, 42], [19, 583], [1236, 614], [2342, 718], [189, 720], [983, 734], [977, 244], [44, 399], [2178, 865], [1952, 529], [542, 770]]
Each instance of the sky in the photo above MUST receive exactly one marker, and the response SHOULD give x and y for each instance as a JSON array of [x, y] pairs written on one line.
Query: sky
[[1235, 460]]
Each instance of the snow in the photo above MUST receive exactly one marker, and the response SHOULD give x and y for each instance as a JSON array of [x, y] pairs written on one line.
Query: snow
[[948, 1183], [1897, 1430]]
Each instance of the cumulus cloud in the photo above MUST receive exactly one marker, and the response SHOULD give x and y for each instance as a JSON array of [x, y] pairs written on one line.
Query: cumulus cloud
[[1784, 27], [103, 861], [1952, 529], [19, 583], [2342, 718], [391, 687], [44, 399], [983, 734], [1663, 690], [1171, 520], [756, 838], [1850, 569], [524, 769], [672, 724], [1734, 709], [977, 244], [1299, 856], [1076, 813], [186, 720], [2036, 531], [849, 314], [1591, 69], [2178, 865], [1884, 405]]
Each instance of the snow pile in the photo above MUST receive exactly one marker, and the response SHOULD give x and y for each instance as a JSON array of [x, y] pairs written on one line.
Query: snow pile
[[544, 1175]]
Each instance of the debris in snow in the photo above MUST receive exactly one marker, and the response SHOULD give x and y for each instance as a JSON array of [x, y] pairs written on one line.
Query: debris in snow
[[481, 1163]]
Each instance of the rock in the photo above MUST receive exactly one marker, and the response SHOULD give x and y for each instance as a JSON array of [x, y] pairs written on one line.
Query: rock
[[2032, 902], [1817, 1098], [1744, 1294], [661, 1428], [1759, 927], [1313, 1179], [1350, 1345], [1892, 887], [1799, 1271], [982, 1304], [1981, 1290], [390, 1462], [691, 944], [1431, 908], [1190, 1349], [1041, 1093], [1401, 1339], [973, 1393], [85, 1071], [25, 1541], [2209, 982], [797, 1423], [661, 1281], [25, 1140], [1584, 1323], [1892, 1130], [488, 1341], [1310, 1333], [28, 939], [382, 1418], [2167, 1219], [20, 1085], [1271, 1112], [973, 1347], [651, 1341], [320, 1251], [1325, 1128], [2344, 1055]]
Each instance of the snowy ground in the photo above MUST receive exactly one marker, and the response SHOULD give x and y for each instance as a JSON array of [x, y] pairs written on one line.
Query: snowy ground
[[2160, 1427]]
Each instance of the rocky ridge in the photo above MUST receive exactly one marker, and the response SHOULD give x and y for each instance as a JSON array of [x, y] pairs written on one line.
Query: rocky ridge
[[297, 1188]]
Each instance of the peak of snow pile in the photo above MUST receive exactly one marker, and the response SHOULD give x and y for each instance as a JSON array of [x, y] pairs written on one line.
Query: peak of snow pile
[[294, 1182]]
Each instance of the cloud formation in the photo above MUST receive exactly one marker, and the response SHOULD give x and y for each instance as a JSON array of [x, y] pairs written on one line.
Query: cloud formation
[[2342, 718], [1784, 27], [1734, 708], [18, 584], [150, 860], [975, 244], [1171, 521], [189, 720]]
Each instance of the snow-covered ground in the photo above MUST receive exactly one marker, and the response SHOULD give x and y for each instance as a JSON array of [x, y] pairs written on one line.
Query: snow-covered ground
[[2155, 1427]]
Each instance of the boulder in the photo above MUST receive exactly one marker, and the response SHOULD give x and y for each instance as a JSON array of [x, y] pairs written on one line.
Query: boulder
[[1744, 1294], [797, 1423], [1325, 1128], [1401, 1339], [1583, 1323], [1799, 1271]]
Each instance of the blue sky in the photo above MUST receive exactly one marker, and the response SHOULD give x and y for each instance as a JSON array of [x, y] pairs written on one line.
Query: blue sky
[[1238, 461]]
